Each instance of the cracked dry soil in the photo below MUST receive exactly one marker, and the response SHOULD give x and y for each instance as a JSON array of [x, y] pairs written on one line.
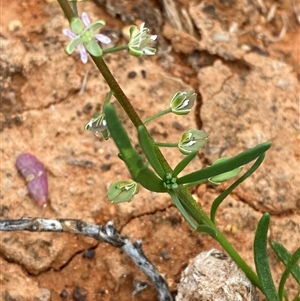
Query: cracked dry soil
[[249, 87]]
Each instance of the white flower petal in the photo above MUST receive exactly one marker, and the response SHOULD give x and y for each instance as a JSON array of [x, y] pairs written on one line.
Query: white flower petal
[[148, 51], [85, 19], [102, 38], [69, 33], [142, 26], [83, 54]]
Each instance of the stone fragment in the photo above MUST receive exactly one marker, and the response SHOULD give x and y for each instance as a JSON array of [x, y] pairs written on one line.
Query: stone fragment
[[213, 276]]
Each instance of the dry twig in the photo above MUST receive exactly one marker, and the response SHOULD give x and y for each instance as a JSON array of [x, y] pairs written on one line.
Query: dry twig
[[106, 233]]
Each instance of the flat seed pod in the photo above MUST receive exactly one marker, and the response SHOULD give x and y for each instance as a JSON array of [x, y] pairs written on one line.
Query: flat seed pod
[[36, 177]]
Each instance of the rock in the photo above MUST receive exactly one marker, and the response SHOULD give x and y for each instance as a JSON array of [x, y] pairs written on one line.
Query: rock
[[213, 276]]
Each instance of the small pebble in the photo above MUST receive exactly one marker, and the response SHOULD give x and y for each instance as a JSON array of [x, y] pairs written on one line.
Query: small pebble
[[105, 167], [87, 108], [14, 25], [63, 294], [89, 254], [79, 293], [165, 255], [131, 74], [221, 37], [45, 294]]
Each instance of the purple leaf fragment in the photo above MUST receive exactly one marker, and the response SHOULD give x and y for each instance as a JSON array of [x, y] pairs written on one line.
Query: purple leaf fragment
[[36, 177]]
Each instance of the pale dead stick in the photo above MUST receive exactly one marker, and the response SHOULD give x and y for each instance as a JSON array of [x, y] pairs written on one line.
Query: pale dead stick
[[106, 233]]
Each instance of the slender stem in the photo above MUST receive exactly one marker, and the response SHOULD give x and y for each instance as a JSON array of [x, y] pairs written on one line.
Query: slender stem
[[201, 217], [159, 114], [238, 260], [115, 49], [114, 86], [166, 144], [74, 7], [118, 92], [67, 9], [189, 203]]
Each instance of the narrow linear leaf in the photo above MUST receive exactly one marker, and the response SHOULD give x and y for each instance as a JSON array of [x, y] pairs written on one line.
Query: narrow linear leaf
[[134, 162], [183, 163], [284, 255], [290, 265], [207, 229], [223, 195], [180, 207], [149, 150], [228, 165], [261, 259]]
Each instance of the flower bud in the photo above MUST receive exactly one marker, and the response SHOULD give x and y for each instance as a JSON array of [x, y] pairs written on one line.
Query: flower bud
[[191, 141], [182, 102], [140, 41], [224, 176], [98, 125], [122, 191]]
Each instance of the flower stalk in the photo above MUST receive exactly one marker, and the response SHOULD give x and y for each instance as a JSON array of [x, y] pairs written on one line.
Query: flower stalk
[[181, 104]]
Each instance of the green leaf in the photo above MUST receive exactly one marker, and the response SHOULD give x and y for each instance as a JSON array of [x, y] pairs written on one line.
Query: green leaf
[[207, 229], [289, 267], [134, 162], [222, 196], [261, 259], [149, 150], [284, 255], [216, 180], [180, 207], [183, 163], [230, 164]]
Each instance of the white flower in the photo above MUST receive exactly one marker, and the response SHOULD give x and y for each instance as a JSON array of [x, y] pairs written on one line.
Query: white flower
[[139, 41], [84, 37]]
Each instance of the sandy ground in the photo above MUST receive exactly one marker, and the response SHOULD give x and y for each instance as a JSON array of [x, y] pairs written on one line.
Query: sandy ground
[[242, 57]]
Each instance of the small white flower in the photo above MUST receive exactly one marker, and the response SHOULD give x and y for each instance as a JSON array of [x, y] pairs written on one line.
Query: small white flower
[[140, 40], [84, 37], [182, 102], [191, 141]]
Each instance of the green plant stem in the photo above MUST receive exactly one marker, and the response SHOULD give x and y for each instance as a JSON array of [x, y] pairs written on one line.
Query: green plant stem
[[115, 49], [200, 217], [74, 8], [66, 9], [189, 203], [126, 105], [117, 91], [166, 144], [159, 114]]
